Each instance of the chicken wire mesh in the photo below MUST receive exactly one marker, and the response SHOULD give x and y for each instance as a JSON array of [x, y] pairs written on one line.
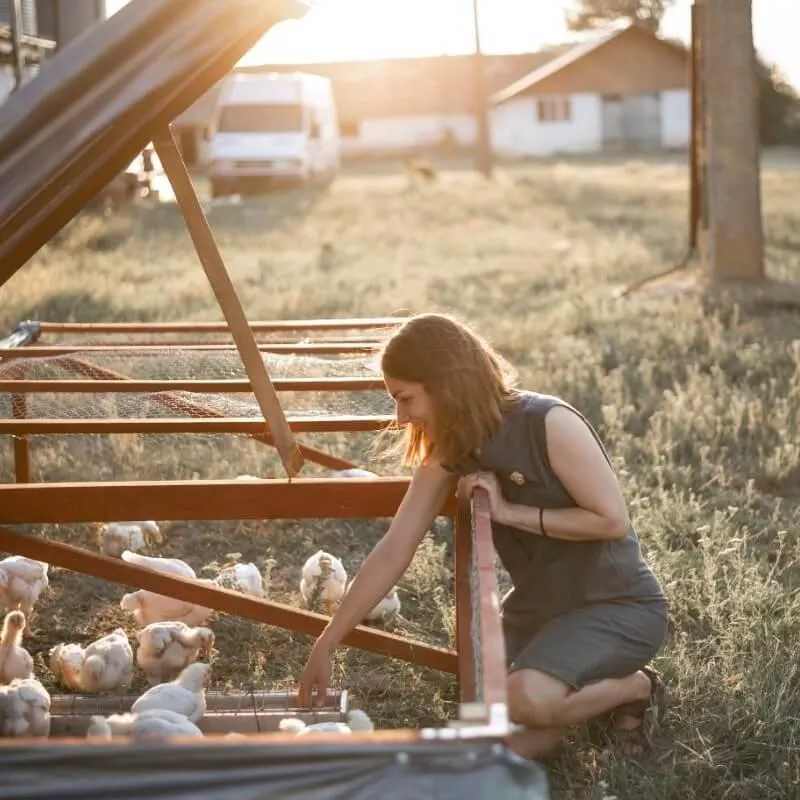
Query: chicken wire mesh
[[181, 456]]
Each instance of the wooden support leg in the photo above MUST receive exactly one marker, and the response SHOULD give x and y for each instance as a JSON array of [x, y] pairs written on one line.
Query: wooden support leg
[[221, 283]]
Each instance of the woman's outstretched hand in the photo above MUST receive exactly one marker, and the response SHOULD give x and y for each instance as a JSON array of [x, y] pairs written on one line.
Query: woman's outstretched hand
[[488, 480], [316, 675]]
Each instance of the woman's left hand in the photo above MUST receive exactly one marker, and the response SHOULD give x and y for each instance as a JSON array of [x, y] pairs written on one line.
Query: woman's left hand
[[488, 481]]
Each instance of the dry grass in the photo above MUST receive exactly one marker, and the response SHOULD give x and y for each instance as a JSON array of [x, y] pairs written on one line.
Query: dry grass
[[700, 413]]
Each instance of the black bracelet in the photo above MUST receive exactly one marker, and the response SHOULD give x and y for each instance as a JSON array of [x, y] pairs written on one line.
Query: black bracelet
[[541, 523]]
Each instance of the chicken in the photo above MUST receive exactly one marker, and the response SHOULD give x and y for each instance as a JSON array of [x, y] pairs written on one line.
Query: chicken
[[357, 721], [22, 580], [354, 472], [15, 660], [243, 578], [148, 607], [385, 613], [155, 724], [171, 566], [323, 582], [185, 695], [115, 537], [167, 648], [24, 709], [104, 666], [66, 663]]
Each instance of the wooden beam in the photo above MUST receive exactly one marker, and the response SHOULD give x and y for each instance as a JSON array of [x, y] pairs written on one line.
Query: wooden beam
[[126, 385], [225, 600], [300, 348], [248, 425], [494, 673], [258, 326], [307, 498], [463, 558]]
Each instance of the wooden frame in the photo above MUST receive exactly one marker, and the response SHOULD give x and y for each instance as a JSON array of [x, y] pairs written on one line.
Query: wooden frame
[[477, 605]]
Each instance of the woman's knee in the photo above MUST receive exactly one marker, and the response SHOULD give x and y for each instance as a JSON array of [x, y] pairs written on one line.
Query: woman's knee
[[534, 698]]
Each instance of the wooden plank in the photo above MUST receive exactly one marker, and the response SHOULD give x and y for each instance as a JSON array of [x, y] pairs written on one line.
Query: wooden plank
[[129, 385], [67, 705], [299, 348], [217, 273], [305, 498], [248, 425], [462, 552], [224, 600], [257, 326], [494, 673]]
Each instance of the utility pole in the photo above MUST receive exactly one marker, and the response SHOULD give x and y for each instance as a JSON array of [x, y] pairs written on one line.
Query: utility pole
[[483, 141], [15, 9]]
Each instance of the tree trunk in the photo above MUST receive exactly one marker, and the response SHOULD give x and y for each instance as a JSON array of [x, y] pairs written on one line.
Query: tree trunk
[[732, 239]]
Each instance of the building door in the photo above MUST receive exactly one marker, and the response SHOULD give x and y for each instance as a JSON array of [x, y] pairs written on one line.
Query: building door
[[642, 120], [613, 128]]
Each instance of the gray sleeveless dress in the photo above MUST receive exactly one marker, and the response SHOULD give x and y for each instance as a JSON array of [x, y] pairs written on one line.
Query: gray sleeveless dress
[[579, 611]]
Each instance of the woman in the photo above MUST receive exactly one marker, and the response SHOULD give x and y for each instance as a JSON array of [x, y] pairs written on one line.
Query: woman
[[585, 614]]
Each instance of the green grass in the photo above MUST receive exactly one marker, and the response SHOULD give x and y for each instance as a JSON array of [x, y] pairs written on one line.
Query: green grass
[[700, 412]]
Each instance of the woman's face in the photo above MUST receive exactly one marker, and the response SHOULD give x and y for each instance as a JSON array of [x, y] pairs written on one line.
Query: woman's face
[[412, 404]]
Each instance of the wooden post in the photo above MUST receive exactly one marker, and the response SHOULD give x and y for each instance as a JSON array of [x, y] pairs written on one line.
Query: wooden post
[[223, 287], [483, 140]]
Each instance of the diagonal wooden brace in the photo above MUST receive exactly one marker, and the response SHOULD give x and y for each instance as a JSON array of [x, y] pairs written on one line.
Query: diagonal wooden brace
[[220, 280]]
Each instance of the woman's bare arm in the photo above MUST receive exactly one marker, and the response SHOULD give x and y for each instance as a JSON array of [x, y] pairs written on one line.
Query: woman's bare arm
[[427, 491]]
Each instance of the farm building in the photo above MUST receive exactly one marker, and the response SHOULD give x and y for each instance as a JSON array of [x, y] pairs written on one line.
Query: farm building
[[33, 46], [615, 88]]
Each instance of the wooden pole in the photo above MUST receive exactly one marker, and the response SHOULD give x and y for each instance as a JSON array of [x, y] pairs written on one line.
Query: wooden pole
[[483, 141], [15, 8], [218, 277]]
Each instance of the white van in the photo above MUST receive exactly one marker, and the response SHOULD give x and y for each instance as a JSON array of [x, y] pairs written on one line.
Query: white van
[[273, 127]]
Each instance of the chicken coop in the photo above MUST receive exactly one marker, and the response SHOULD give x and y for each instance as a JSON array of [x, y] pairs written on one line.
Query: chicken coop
[[261, 383]]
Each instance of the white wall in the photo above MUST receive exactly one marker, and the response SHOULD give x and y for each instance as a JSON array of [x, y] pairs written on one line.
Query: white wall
[[676, 118], [406, 133], [517, 131], [6, 82]]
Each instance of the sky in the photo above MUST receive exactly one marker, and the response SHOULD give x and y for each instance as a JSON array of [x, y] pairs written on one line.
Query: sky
[[337, 30]]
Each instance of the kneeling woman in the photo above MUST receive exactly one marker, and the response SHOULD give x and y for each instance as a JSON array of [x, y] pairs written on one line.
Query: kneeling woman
[[585, 614]]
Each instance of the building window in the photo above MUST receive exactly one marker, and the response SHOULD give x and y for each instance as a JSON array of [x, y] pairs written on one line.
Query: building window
[[554, 109], [349, 129]]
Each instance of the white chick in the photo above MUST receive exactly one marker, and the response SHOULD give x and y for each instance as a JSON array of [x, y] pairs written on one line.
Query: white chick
[[24, 709], [243, 578], [249, 478], [108, 663], [354, 472], [118, 536], [385, 613], [171, 566], [357, 721], [66, 663], [185, 695], [148, 607], [15, 660], [323, 582], [167, 648], [155, 724], [22, 580]]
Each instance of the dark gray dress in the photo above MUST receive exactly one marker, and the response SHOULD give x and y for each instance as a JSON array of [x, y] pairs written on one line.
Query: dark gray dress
[[580, 611]]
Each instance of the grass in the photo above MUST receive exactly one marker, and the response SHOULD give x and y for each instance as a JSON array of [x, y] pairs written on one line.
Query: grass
[[700, 412]]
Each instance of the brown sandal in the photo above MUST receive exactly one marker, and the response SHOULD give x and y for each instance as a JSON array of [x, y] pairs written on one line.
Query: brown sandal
[[651, 710]]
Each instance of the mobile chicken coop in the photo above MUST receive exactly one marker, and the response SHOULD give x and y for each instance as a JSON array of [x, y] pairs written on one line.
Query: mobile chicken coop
[[92, 108]]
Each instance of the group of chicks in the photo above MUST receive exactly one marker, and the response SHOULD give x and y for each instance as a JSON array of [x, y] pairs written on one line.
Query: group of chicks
[[170, 639]]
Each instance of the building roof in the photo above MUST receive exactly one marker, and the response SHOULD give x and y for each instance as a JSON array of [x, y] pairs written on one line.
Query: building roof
[[414, 86], [593, 40]]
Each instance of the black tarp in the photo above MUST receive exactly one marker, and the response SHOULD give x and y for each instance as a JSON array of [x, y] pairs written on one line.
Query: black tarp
[[97, 103], [333, 770]]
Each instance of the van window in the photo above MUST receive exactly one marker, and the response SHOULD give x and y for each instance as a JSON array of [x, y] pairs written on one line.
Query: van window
[[269, 118]]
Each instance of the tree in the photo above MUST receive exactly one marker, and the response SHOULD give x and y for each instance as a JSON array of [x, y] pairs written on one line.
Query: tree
[[593, 13], [732, 241]]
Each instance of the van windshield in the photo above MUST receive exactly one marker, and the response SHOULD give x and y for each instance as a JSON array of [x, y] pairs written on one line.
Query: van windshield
[[266, 118]]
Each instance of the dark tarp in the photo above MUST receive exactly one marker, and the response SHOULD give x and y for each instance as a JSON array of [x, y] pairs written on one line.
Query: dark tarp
[[438, 770], [97, 103]]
